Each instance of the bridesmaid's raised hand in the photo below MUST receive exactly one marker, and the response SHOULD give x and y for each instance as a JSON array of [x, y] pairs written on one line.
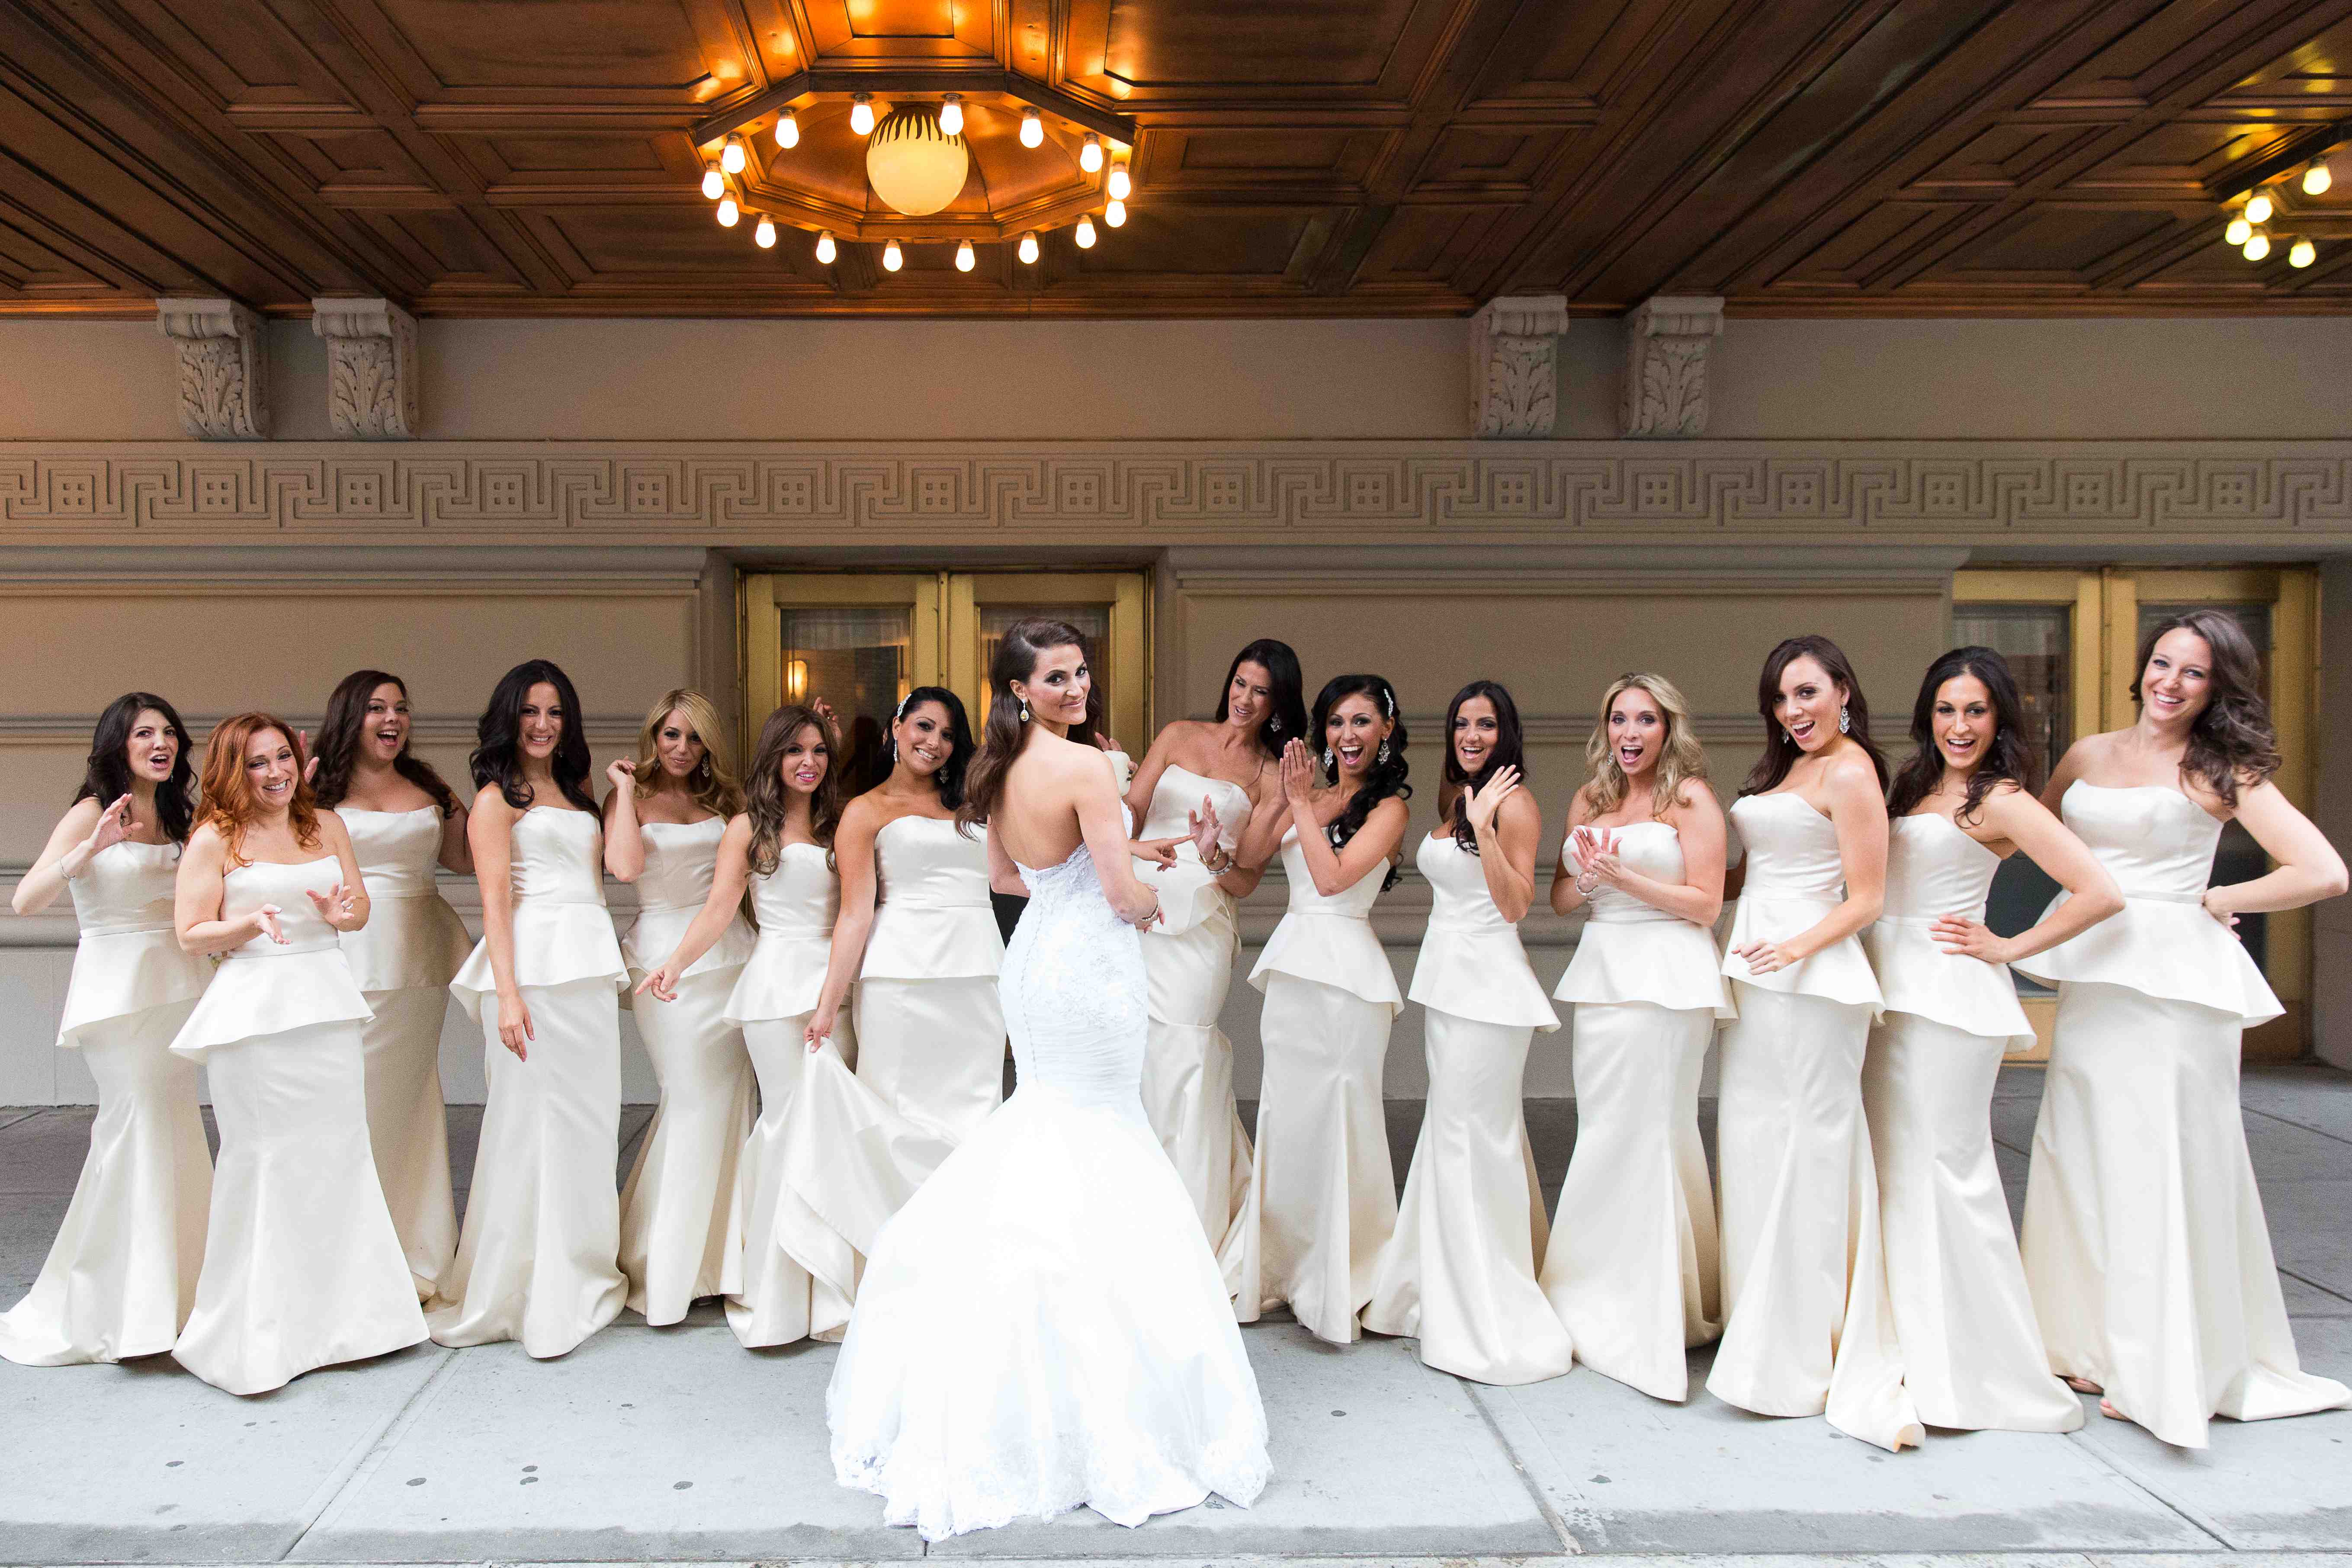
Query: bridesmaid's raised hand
[[310, 757], [824, 709], [1205, 829], [622, 773], [334, 906], [265, 923], [1298, 778], [1485, 800], [112, 826]]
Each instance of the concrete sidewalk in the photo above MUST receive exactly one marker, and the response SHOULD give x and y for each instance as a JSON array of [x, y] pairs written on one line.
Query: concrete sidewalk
[[664, 1444]]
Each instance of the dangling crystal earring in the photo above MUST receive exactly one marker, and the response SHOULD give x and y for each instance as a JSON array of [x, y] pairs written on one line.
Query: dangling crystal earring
[[1025, 711], [1845, 720], [1274, 726], [1326, 758], [1382, 757]]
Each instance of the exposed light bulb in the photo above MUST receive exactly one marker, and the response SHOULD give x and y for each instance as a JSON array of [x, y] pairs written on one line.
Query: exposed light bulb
[[2317, 179], [965, 259], [2259, 208], [824, 250], [764, 236], [731, 157], [951, 115], [893, 258], [1115, 212], [2302, 253], [1120, 186], [714, 184], [861, 114], [728, 213], [788, 129], [2258, 245], [2238, 230], [1085, 234], [1090, 152], [1032, 129], [1028, 247]]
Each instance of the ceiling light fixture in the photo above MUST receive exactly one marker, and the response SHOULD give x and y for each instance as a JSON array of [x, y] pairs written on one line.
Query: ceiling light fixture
[[731, 157], [1028, 248], [2259, 208], [965, 259], [788, 129], [2258, 245], [764, 236], [1032, 129], [1119, 186], [2238, 230], [728, 213], [951, 114], [1085, 234], [1090, 154], [825, 250], [2317, 179], [914, 166], [714, 184], [861, 114], [893, 258], [2302, 253], [1115, 213]]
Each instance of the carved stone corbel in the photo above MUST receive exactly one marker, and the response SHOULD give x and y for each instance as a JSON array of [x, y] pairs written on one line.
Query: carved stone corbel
[[371, 370], [223, 381], [1667, 342], [1514, 365]]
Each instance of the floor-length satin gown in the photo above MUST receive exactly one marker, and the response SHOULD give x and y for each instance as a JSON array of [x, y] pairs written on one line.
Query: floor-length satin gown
[[1188, 1071], [1322, 1200], [1634, 1267], [775, 1301], [403, 959], [538, 1258], [302, 1267], [2145, 1242], [1043, 1325], [929, 1046], [1459, 1273], [1972, 1355], [122, 1274], [680, 1231], [1808, 1329]]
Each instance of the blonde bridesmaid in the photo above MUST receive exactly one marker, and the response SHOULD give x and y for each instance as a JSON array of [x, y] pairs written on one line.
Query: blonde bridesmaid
[[1322, 1202], [1808, 1329], [404, 821], [2144, 1243], [122, 1275], [303, 1266], [663, 822], [1459, 1273], [538, 1260], [1634, 1266]]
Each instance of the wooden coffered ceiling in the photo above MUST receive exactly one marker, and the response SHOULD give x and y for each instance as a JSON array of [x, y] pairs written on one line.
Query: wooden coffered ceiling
[[1294, 157]]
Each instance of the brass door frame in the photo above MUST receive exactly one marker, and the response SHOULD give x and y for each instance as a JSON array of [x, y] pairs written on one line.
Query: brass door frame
[[765, 596]]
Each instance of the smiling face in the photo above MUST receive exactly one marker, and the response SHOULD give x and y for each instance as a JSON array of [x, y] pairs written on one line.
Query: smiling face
[[2178, 680], [384, 732], [924, 742], [681, 750], [1476, 730], [1353, 731], [540, 729], [1963, 724], [1808, 702], [270, 770], [1637, 732], [805, 759], [1249, 696], [153, 749], [1057, 686]]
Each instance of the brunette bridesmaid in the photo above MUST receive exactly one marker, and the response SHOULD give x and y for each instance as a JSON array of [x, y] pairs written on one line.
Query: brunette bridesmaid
[[1459, 1273], [538, 1258], [1972, 1354], [1634, 1266], [303, 1266], [2144, 1243], [122, 1274], [1808, 1329], [664, 822], [1322, 1202], [404, 821]]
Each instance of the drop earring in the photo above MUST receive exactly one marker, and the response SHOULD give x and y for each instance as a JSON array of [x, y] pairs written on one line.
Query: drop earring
[[1326, 758], [1383, 755], [1845, 720], [1025, 711]]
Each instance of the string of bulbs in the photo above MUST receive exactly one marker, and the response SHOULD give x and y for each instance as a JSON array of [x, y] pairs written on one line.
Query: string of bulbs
[[2248, 229], [734, 156]]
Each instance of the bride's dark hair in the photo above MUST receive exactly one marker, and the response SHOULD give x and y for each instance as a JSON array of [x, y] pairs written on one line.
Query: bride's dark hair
[[1002, 734]]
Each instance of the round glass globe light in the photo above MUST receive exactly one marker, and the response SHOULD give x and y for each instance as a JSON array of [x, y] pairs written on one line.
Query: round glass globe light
[[914, 166]]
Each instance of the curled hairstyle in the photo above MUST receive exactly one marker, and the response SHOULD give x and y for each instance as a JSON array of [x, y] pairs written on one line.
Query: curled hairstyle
[[1017, 652], [952, 775], [2006, 757], [2232, 743], [1382, 780], [1781, 752], [498, 753], [106, 775], [338, 746], [1681, 758], [1286, 719], [712, 784], [229, 800], [1507, 752], [765, 795]]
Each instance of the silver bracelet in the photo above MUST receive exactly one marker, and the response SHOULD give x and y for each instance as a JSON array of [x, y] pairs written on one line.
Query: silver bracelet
[[1587, 888]]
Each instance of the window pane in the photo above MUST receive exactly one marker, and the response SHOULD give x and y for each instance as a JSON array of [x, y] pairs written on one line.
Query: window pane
[[2239, 858], [1093, 622], [855, 658], [2034, 639]]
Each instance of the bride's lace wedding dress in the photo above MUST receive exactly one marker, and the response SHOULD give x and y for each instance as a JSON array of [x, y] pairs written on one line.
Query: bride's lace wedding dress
[[1043, 1326]]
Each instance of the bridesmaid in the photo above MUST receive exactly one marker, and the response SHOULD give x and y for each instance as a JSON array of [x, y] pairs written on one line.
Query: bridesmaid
[[1322, 1201], [1460, 1272], [1225, 766], [780, 846], [403, 821], [303, 1266], [122, 1275], [1800, 1195], [664, 821], [1632, 1269], [539, 1257], [2144, 1243], [1972, 1355]]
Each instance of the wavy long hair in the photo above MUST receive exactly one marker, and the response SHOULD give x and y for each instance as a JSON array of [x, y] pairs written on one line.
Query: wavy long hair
[[953, 777], [1509, 750], [2006, 757], [1681, 758], [1002, 733], [713, 785], [228, 803], [338, 746], [1382, 780], [766, 795], [1781, 752], [1286, 718], [106, 772], [2232, 743], [497, 757]]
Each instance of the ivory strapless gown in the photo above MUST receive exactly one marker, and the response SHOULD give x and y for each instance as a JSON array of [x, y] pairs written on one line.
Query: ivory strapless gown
[[122, 1274], [538, 1260], [1188, 1071], [403, 959], [1808, 1329], [1634, 1266], [302, 1267], [1972, 1355], [1043, 1326], [681, 1234], [2144, 1243]]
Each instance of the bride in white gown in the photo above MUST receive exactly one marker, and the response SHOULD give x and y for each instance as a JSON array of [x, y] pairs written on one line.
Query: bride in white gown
[[1043, 1326]]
